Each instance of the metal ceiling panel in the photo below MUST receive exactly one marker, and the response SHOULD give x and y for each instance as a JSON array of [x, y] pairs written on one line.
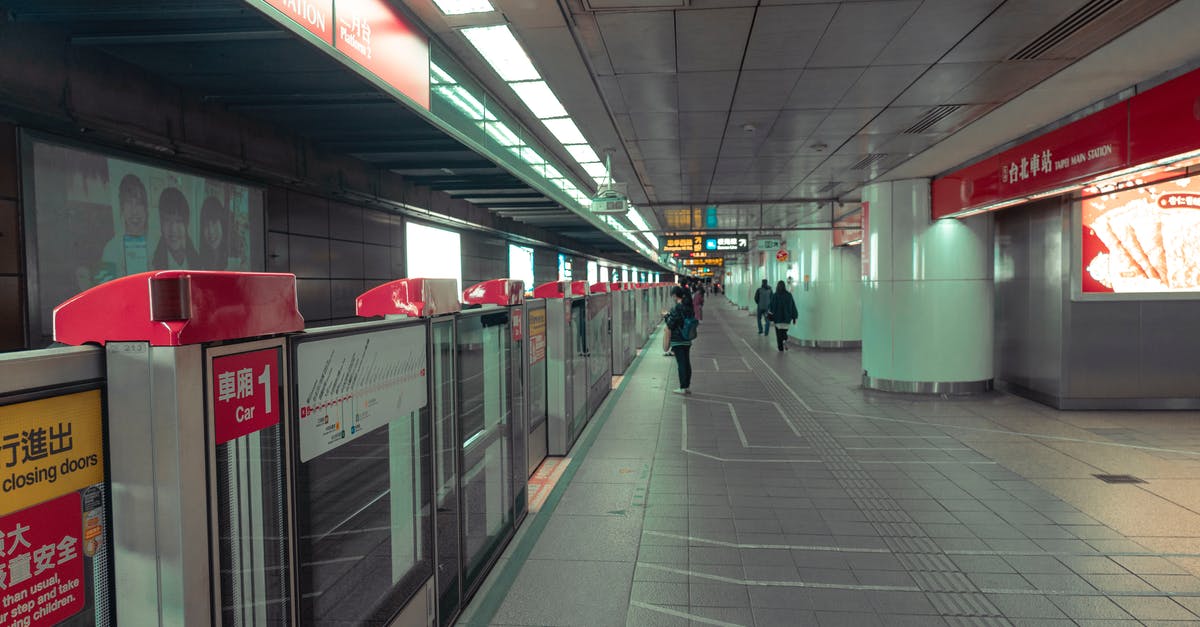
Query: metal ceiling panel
[[940, 83], [860, 31], [738, 147], [659, 149], [1014, 24], [639, 43], [934, 29], [655, 125], [893, 120], [880, 84], [697, 125], [661, 167], [649, 93], [760, 90], [691, 147], [842, 123], [712, 39], [1003, 81], [791, 126], [706, 91], [822, 88], [785, 37]]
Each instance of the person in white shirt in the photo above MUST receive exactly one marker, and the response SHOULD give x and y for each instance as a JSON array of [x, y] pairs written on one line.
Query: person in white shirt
[[126, 253]]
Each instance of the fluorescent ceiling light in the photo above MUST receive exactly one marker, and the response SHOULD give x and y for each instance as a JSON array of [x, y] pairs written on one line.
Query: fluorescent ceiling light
[[565, 131], [541, 101], [652, 238], [582, 153], [501, 50], [463, 7], [595, 170], [636, 219]]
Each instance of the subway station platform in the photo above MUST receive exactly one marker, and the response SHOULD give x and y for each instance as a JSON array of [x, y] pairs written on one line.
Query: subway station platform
[[782, 493]]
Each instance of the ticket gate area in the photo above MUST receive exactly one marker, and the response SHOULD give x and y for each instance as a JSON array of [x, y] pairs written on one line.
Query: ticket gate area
[[196, 456]]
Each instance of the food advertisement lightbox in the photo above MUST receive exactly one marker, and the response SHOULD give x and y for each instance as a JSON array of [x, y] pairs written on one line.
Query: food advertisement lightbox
[[1144, 240]]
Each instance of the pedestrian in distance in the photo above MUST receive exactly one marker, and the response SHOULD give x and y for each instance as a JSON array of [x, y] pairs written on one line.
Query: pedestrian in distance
[[762, 300], [783, 313], [679, 320], [698, 300]]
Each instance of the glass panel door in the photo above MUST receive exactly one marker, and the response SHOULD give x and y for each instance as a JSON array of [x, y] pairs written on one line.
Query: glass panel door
[[445, 442], [485, 402]]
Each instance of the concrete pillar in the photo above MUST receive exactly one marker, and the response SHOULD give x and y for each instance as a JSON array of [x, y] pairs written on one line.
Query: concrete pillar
[[927, 316], [830, 300]]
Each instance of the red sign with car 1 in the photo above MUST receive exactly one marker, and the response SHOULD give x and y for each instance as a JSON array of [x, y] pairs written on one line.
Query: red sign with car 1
[[41, 563], [245, 393]]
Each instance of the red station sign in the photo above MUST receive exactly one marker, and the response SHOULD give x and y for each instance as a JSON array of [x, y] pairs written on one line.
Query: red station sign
[[41, 563], [1160, 123], [316, 16], [245, 393], [369, 32], [374, 36]]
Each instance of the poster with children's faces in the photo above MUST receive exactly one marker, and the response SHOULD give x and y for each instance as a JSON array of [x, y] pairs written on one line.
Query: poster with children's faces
[[98, 217]]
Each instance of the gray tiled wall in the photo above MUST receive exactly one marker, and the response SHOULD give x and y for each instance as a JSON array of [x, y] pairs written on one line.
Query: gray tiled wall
[[336, 250], [12, 311]]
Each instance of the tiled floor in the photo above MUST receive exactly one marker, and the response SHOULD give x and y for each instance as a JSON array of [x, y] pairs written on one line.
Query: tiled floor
[[781, 493]]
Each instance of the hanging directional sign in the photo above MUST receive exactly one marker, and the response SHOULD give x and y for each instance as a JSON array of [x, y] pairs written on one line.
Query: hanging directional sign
[[727, 243]]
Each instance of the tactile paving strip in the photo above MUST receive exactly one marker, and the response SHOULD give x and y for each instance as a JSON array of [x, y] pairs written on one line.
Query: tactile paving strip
[[947, 587]]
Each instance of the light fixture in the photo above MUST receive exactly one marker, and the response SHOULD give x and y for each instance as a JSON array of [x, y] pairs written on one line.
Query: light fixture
[[596, 170], [501, 50], [582, 153], [565, 131], [541, 101], [463, 7]]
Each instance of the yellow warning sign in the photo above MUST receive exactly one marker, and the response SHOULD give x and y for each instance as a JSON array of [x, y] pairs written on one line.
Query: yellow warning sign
[[48, 448]]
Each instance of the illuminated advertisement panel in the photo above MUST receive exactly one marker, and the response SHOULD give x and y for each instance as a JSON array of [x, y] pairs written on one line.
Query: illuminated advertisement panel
[[1142, 241]]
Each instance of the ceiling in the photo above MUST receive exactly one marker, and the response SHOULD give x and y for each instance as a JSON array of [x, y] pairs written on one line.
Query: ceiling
[[775, 110], [224, 51]]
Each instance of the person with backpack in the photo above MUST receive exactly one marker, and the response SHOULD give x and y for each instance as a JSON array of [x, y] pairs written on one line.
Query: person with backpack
[[782, 311], [681, 322], [762, 299]]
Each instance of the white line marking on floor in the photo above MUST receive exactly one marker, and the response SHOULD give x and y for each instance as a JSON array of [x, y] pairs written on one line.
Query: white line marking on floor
[[905, 448], [779, 584], [738, 545], [715, 364], [677, 614], [737, 423], [1060, 438], [1036, 436]]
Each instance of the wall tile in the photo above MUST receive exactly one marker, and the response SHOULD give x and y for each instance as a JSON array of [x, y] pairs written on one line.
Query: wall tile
[[308, 256]]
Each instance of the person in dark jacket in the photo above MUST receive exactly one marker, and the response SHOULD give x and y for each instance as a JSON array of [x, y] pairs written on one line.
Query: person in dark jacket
[[783, 313], [680, 346], [762, 301]]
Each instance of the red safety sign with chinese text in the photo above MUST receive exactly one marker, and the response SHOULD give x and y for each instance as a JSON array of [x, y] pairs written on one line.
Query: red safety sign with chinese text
[[41, 563], [245, 393]]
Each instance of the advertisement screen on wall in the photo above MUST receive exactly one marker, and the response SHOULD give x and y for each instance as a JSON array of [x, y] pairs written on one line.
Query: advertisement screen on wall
[[1144, 240], [96, 217]]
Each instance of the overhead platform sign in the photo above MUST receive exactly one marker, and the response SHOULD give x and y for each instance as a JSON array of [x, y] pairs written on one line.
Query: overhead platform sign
[[371, 34]]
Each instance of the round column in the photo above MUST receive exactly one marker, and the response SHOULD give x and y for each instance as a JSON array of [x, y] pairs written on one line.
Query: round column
[[927, 314], [829, 302]]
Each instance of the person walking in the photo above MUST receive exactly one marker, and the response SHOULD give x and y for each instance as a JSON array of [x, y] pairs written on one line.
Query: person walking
[[698, 300], [762, 299], [783, 314], [681, 346]]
